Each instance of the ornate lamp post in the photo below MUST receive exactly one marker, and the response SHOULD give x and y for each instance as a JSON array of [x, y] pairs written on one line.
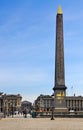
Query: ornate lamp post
[[4, 105], [52, 116], [12, 108]]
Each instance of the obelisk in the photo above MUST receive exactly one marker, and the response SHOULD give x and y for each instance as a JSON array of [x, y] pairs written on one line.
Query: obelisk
[[59, 84]]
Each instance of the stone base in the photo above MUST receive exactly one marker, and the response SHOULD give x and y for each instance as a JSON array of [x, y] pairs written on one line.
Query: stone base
[[60, 110]]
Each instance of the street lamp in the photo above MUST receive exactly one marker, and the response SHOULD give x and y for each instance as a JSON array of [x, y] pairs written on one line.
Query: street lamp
[[4, 106], [12, 111], [4, 112], [12, 108], [52, 116]]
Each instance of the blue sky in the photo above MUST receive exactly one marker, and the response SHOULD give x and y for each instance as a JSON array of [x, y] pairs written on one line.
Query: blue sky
[[27, 46]]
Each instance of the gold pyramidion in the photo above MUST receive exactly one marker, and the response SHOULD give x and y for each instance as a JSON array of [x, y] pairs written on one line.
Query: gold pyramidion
[[59, 10]]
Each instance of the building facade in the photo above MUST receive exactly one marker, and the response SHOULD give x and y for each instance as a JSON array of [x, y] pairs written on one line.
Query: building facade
[[26, 105], [45, 103], [10, 103], [74, 103]]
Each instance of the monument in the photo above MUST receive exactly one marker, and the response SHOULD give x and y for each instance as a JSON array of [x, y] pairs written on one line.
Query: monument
[[59, 103], [59, 81]]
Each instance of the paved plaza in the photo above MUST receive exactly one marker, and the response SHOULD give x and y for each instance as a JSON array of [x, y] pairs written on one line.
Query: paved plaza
[[41, 124]]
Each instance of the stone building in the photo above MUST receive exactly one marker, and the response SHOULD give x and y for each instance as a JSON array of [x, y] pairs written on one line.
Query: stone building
[[1, 101], [44, 103], [10, 103], [74, 103], [26, 105]]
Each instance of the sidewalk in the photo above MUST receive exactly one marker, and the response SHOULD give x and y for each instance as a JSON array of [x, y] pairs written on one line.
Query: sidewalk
[[41, 124]]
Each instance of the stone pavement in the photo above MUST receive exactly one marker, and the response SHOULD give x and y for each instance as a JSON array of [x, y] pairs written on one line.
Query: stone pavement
[[41, 124]]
